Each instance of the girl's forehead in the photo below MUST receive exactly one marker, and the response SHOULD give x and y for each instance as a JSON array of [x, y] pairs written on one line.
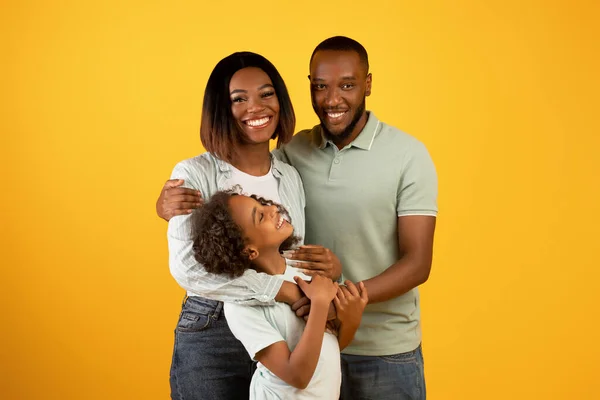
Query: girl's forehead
[[243, 208]]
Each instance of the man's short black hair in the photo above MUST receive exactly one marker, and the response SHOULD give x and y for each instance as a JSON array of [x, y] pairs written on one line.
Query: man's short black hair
[[343, 43]]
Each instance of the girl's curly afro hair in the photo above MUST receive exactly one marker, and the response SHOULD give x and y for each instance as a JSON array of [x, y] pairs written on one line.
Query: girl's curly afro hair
[[219, 242]]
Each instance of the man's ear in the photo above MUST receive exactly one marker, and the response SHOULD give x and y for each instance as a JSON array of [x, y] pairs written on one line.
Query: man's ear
[[368, 85], [251, 252]]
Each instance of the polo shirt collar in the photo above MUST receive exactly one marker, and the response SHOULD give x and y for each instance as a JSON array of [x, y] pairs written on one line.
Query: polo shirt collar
[[365, 138]]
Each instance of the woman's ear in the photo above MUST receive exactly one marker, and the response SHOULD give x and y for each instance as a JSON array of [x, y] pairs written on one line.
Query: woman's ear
[[251, 252]]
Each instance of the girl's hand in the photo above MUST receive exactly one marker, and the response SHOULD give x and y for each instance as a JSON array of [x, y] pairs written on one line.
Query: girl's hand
[[320, 290]]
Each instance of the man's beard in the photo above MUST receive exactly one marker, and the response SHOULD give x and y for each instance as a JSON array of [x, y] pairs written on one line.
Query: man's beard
[[345, 134]]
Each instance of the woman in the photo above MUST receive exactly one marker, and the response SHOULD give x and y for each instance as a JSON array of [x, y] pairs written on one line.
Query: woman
[[246, 104]]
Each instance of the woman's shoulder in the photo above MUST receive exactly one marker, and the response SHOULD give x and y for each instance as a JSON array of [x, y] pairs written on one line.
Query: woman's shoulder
[[204, 162], [198, 172]]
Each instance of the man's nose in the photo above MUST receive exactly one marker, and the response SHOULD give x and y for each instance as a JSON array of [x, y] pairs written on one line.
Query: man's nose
[[333, 98]]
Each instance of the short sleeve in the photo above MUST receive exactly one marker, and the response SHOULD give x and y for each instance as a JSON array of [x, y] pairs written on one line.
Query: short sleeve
[[251, 327], [418, 190]]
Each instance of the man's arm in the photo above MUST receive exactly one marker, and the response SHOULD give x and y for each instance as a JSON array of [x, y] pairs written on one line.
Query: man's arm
[[415, 241], [174, 199], [416, 210]]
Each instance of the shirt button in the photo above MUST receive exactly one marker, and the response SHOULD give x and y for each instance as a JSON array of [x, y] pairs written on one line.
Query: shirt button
[[336, 161]]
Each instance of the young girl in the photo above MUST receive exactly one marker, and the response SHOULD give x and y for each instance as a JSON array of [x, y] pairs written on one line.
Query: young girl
[[295, 359]]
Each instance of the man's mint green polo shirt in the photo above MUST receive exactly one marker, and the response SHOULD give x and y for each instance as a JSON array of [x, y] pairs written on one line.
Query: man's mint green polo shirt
[[354, 197]]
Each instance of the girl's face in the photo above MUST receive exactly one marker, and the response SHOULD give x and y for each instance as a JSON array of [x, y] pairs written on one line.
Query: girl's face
[[254, 104], [263, 226]]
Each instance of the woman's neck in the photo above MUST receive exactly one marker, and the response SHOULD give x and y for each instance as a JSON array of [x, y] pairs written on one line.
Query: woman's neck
[[253, 159], [271, 264]]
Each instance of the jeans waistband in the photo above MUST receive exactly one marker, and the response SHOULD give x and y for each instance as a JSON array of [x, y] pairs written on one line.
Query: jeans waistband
[[202, 305]]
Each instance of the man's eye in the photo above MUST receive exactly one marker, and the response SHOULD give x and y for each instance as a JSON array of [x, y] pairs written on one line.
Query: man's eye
[[347, 86], [318, 86]]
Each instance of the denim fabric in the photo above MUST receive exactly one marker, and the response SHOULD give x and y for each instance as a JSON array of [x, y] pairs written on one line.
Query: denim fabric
[[209, 363], [397, 377]]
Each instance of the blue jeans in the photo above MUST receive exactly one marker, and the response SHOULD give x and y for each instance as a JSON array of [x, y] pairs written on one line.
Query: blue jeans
[[398, 377], [208, 361]]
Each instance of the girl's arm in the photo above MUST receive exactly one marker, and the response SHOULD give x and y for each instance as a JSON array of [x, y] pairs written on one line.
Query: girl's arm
[[297, 367]]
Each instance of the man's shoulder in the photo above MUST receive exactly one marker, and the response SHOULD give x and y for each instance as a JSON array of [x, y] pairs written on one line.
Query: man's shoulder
[[393, 135], [306, 137]]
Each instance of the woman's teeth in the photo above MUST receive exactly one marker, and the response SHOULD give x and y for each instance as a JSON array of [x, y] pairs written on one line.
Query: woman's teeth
[[257, 122]]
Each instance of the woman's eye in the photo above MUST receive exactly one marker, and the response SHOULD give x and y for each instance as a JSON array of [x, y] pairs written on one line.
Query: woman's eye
[[237, 100], [267, 94], [261, 217]]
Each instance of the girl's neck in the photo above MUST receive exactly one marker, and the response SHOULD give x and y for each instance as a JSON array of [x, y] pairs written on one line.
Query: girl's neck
[[253, 159], [272, 263]]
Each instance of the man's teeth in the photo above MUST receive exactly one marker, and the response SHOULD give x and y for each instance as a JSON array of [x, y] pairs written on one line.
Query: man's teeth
[[257, 122], [335, 115]]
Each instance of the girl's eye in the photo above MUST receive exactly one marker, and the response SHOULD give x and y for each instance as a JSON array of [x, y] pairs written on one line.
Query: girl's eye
[[237, 100], [267, 94], [261, 217]]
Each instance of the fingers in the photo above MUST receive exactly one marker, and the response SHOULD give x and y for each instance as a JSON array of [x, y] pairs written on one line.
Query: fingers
[[307, 265], [352, 288], [340, 294], [310, 253], [312, 247], [171, 183], [300, 303], [183, 198], [336, 301], [346, 292], [302, 256], [187, 193], [301, 284], [363, 292], [313, 273], [303, 311]]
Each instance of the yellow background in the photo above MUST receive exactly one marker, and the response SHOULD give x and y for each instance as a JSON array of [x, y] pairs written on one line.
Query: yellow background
[[99, 101]]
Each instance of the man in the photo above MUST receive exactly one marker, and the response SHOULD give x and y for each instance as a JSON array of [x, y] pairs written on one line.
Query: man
[[371, 194]]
